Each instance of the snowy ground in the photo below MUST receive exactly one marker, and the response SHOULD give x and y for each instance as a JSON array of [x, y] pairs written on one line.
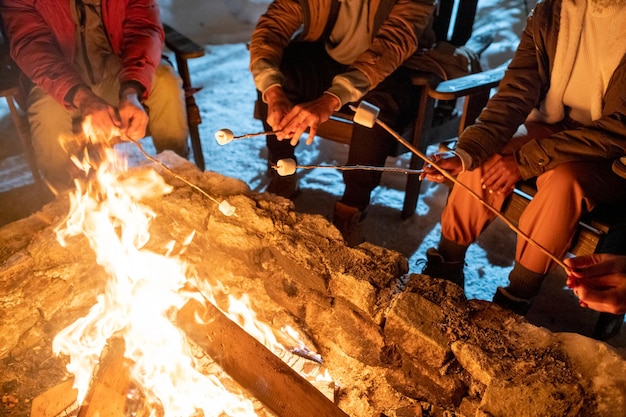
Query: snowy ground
[[226, 101]]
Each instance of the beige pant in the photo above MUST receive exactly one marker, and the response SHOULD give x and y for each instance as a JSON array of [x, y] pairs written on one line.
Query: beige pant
[[53, 127], [551, 218]]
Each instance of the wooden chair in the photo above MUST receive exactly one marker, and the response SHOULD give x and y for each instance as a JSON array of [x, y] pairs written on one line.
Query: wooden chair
[[434, 122]]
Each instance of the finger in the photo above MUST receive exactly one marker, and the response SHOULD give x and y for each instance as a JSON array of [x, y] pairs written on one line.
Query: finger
[[289, 119], [115, 118], [435, 177], [296, 136], [312, 133], [503, 186]]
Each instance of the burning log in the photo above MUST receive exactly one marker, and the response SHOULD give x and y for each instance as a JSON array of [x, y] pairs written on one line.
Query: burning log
[[107, 393], [252, 365], [59, 401], [106, 396]]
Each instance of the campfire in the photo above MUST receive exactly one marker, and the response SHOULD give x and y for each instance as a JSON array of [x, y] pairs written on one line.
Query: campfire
[[138, 294], [155, 311]]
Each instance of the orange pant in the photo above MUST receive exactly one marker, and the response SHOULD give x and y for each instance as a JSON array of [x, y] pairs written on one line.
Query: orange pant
[[550, 219]]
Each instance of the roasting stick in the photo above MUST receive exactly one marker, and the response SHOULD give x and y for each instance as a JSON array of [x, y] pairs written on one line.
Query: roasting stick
[[223, 206], [367, 114], [224, 136], [288, 167]]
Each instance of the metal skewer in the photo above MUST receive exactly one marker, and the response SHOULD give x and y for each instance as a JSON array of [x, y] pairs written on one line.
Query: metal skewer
[[250, 135], [223, 206], [224, 136], [344, 168]]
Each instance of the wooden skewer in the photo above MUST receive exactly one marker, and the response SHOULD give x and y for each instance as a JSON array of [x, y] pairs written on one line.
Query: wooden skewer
[[476, 196]]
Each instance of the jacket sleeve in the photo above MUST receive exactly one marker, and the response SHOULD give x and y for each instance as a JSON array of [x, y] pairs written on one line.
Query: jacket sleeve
[[142, 43], [518, 93], [603, 139], [396, 40], [272, 34], [35, 49]]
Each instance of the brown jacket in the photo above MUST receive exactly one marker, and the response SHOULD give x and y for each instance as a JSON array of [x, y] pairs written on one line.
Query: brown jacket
[[397, 26], [524, 87]]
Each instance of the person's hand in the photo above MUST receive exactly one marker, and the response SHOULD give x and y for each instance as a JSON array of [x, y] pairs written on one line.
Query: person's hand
[[278, 105], [599, 281], [501, 175], [448, 161], [101, 123], [305, 116], [133, 117]]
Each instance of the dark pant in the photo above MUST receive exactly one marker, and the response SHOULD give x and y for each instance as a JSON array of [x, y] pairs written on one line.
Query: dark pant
[[308, 72]]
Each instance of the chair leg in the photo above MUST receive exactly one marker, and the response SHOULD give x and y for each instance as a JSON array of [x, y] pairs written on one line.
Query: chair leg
[[412, 190], [607, 326], [193, 120], [23, 132]]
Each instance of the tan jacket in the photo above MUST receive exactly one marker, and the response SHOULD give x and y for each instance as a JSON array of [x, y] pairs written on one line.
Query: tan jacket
[[396, 25]]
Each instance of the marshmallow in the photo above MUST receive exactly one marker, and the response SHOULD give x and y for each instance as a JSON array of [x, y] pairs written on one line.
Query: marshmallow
[[286, 167], [366, 114], [223, 136]]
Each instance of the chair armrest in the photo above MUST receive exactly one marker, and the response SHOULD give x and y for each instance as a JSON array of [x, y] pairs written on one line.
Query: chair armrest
[[182, 46], [468, 84]]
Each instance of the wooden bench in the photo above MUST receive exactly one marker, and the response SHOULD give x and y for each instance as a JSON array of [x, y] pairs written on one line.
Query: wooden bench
[[592, 227]]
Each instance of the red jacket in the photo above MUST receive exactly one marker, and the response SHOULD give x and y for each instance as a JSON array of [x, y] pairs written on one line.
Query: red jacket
[[43, 43]]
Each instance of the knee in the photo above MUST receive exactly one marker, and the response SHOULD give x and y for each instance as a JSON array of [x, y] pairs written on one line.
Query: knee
[[561, 182], [167, 80]]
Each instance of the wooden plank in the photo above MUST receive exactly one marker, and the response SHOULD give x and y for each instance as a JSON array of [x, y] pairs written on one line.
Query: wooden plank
[[468, 84], [337, 129], [252, 365], [180, 44], [108, 391], [58, 401]]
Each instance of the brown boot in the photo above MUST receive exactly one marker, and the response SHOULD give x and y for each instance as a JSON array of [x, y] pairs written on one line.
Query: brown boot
[[524, 284], [437, 267], [349, 221], [506, 300]]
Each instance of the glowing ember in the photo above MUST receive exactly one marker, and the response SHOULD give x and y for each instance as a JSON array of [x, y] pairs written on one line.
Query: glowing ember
[[146, 288]]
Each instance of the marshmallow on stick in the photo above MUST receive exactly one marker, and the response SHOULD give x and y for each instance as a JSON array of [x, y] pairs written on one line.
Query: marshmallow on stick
[[288, 167]]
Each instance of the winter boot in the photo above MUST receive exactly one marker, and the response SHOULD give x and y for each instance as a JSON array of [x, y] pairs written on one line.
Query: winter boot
[[524, 284], [437, 267], [349, 221], [505, 300]]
